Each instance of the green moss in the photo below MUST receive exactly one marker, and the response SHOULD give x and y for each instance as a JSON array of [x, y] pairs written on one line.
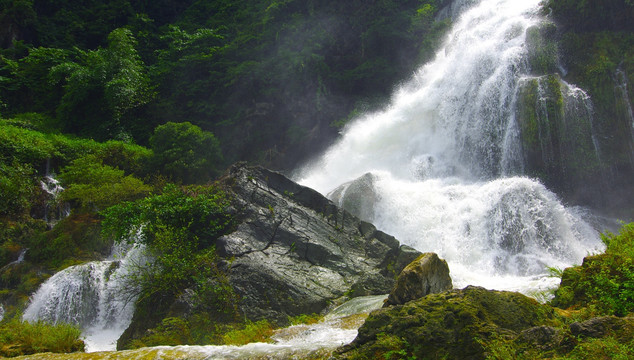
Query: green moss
[[542, 49], [260, 331], [451, 324]]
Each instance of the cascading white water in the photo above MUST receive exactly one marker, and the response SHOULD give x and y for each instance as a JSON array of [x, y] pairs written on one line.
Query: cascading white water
[[94, 296], [54, 210], [446, 154]]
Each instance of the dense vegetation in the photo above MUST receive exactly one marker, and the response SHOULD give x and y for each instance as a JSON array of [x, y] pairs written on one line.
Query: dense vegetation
[[136, 107], [127, 103], [267, 78]]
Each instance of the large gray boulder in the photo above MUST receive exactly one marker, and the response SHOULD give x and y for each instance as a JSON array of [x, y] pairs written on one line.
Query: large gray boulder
[[428, 274], [357, 197], [295, 252]]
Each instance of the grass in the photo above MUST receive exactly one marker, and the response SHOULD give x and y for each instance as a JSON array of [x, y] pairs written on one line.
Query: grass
[[24, 338]]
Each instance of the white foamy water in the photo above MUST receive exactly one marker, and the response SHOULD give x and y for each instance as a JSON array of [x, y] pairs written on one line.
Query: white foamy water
[[94, 296], [448, 163]]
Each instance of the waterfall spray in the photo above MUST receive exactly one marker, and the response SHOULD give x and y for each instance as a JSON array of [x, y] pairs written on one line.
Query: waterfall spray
[[95, 296], [443, 154]]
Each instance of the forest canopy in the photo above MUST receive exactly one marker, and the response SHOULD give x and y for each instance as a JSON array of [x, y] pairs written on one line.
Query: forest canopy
[[273, 81]]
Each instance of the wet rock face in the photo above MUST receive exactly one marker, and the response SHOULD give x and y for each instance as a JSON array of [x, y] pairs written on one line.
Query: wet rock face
[[294, 251], [428, 274], [357, 197]]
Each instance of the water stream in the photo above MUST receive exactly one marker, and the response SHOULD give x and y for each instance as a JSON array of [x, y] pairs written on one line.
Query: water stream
[[446, 161], [94, 296], [447, 176]]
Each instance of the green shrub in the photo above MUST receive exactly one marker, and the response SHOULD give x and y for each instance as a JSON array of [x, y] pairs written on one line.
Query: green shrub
[[185, 152], [95, 186], [179, 227], [23, 338], [77, 236], [26, 146], [17, 188], [621, 243], [604, 282], [172, 331]]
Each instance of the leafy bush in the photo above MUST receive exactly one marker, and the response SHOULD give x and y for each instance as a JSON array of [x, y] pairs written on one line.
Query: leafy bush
[[185, 152], [172, 331], [95, 186], [76, 236], [604, 282], [179, 228], [17, 188], [23, 338], [621, 243], [26, 146], [34, 148]]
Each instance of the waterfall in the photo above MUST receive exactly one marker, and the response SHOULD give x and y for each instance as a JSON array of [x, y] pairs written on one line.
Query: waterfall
[[447, 161], [95, 296], [54, 209], [623, 92]]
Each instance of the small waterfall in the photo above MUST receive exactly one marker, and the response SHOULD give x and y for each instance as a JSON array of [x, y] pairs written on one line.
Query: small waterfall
[[94, 296], [443, 156], [17, 261], [623, 96], [55, 209]]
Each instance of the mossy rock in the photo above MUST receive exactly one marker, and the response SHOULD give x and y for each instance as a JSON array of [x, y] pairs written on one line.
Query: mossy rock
[[428, 274], [449, 325]]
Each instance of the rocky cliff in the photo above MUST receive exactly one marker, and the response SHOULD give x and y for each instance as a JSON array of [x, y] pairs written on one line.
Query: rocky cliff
[[292, 252], [295, 252]]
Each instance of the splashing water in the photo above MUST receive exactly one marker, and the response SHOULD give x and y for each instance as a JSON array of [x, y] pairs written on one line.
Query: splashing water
[[55, 209], [95, 296], [445, 158]]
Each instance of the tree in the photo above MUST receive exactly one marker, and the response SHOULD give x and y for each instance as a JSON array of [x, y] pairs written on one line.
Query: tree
[[179, 228], [95, 186], [102, 88], [185, 152]]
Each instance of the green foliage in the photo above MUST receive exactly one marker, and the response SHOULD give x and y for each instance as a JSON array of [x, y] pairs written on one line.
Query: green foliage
[[26, 146], [77, 236], [269, 77], [95, 186], [172, 331], [185, 153], [179, 228], [609, 347], [621, 243], [604, 282], [102, 87], [391, 347], [606, 348], [17, 188], [306, 319], [34, 148], [23, 338], [260, 331]]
